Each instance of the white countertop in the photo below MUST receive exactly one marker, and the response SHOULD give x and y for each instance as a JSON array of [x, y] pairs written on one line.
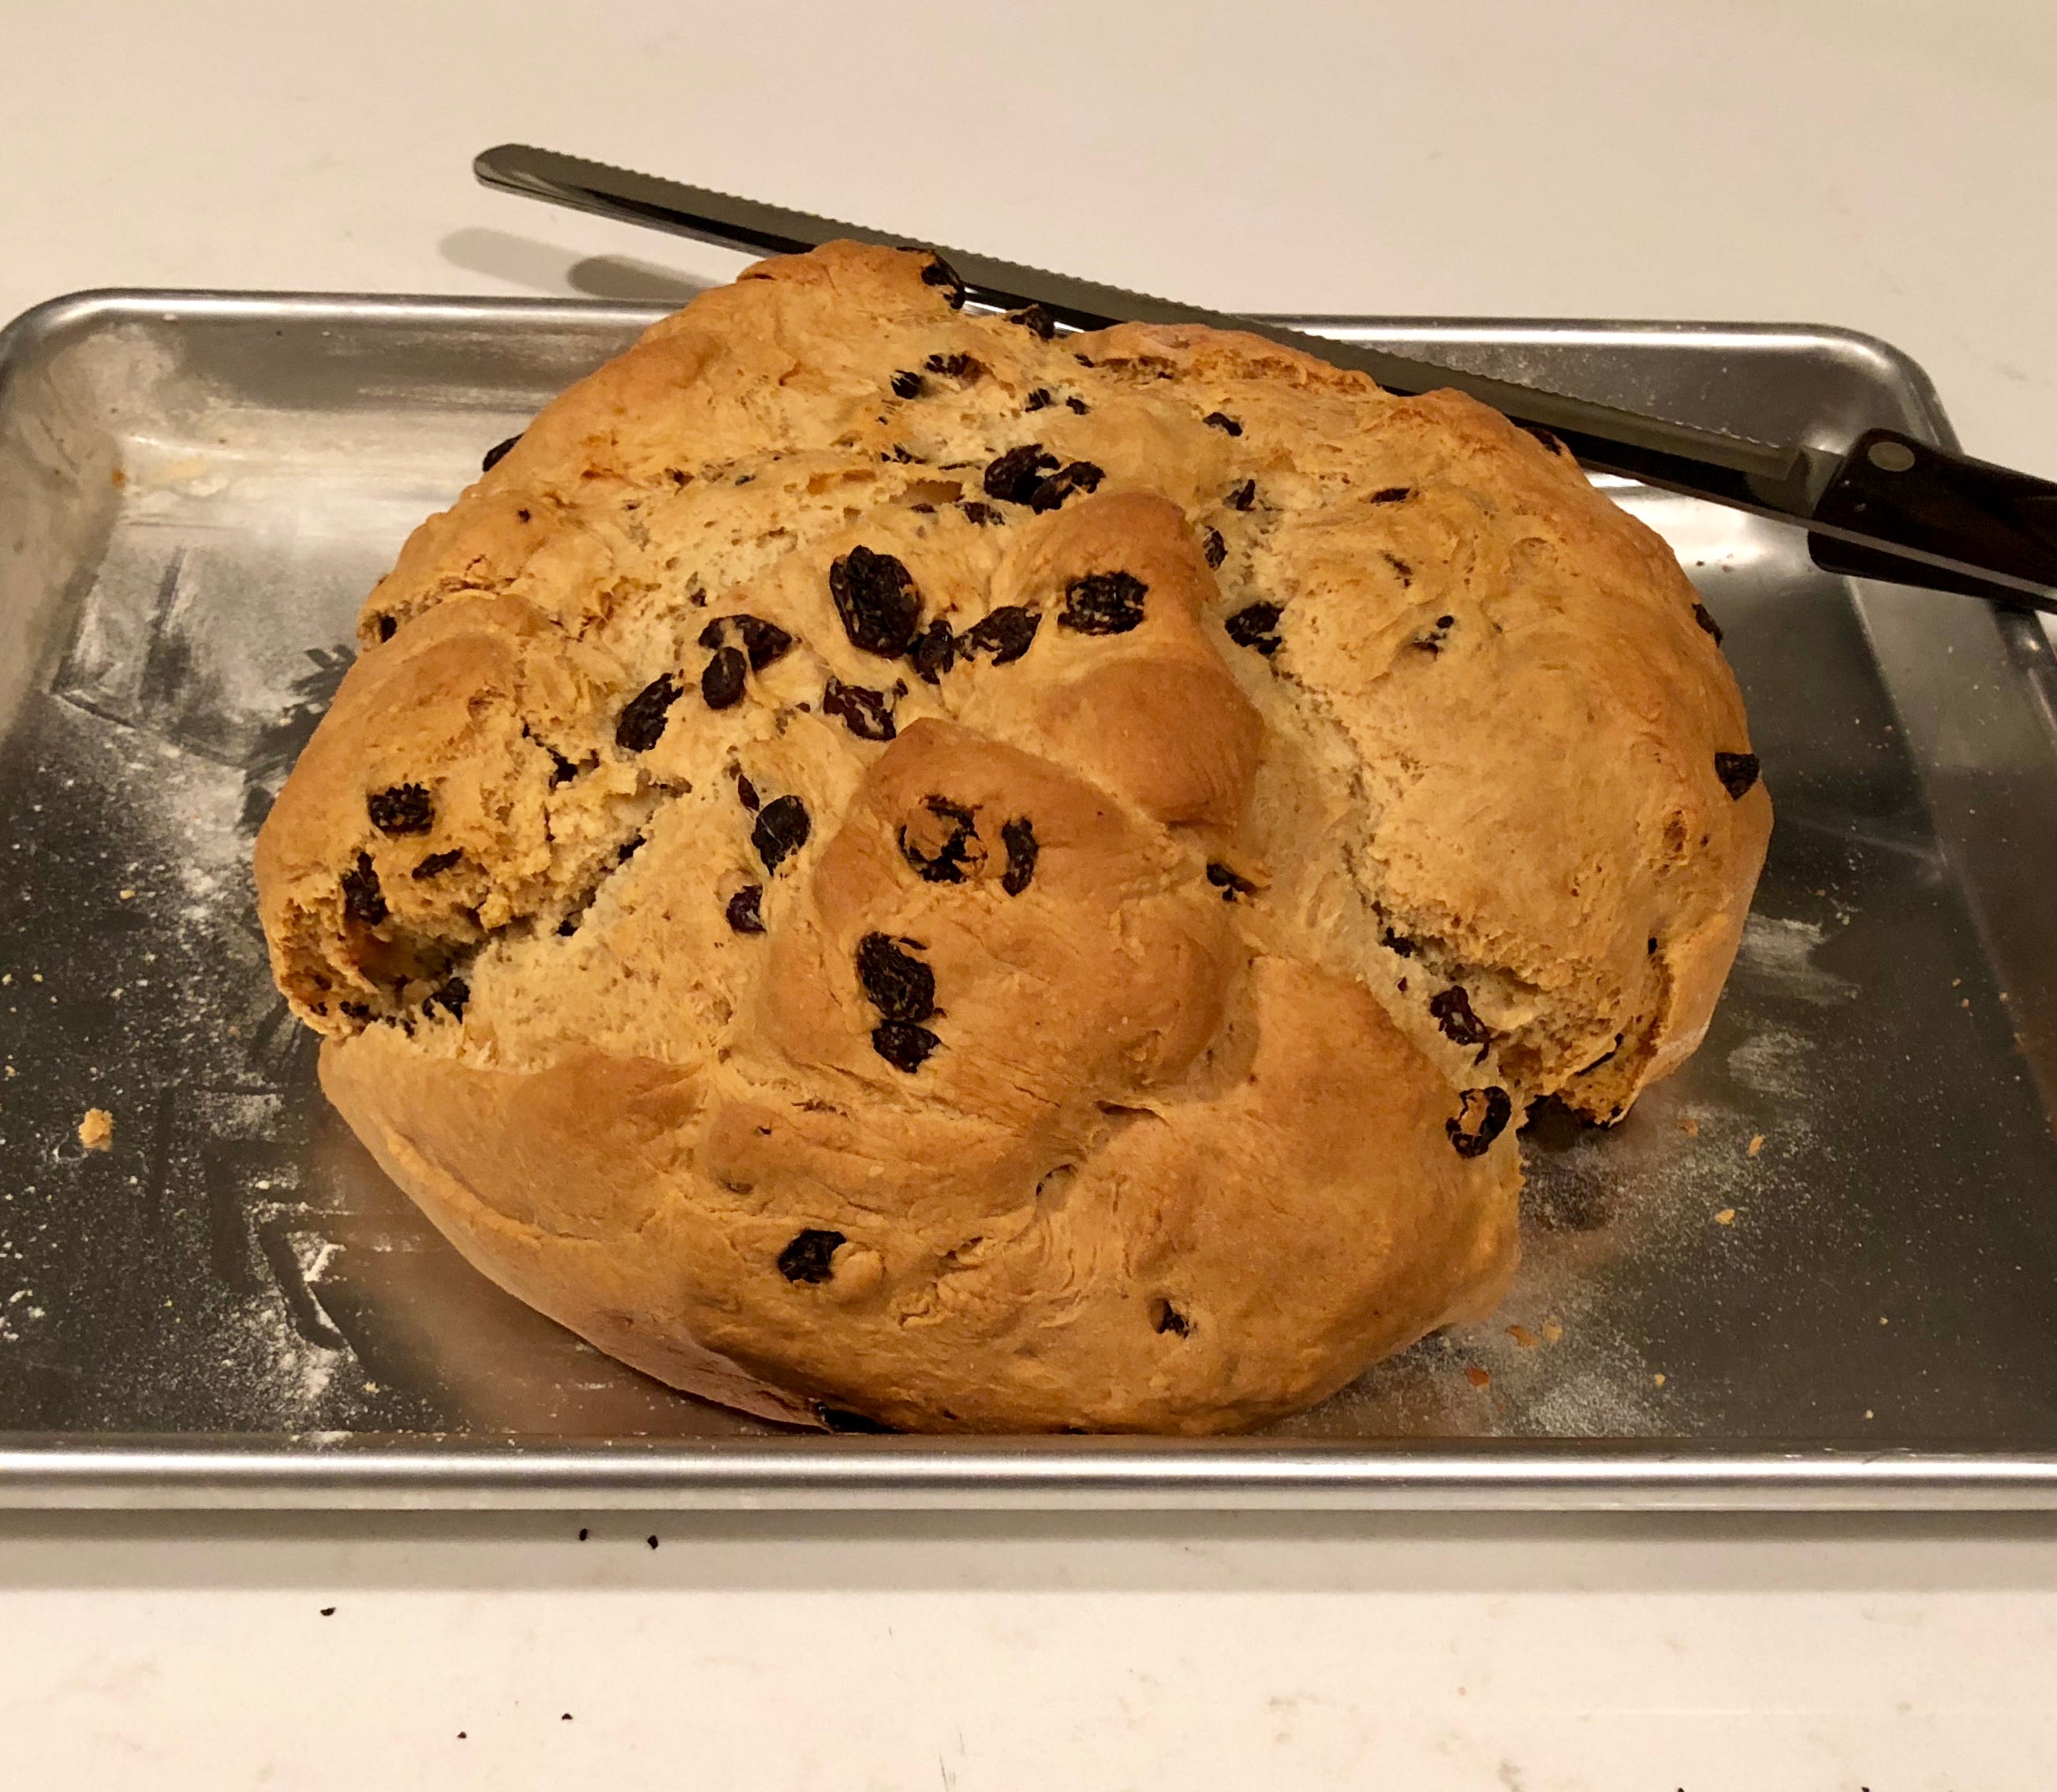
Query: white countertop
[[1883, 164]]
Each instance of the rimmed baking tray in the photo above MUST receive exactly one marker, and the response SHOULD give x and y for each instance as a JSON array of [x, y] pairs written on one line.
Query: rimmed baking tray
[[1815, 1268]]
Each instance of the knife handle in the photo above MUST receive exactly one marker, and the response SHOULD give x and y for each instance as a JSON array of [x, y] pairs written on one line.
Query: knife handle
[[1895, 488]]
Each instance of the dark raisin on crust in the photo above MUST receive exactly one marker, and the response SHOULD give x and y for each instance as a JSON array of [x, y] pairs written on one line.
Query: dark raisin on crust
[[1036, 320], [641, 725], [980, 513], [810, 1256], [866, 713], [946, 864], [903, 1044], [1256, 626], [955, 367], [497, 452], [1737, 772], [782, 829], [1005, 634], [403, 809], [361, 893], [450, 997], [877, 602], [1432, 642], [1451, 1010], [1229, 883], [1014, 476], [1397, 944], [1243, 496], [1406, 572], [1215, 548], [436, 864], [746, 794], [1481, 1117], [1074, 403], [1165, 1318], [907, 384], [841, 1418], [1080, 476], [388, 627], [1707, 621], [765, 643], [722, 679], [896, 983], [1392, 495], [1103, 603], [744, 912], [1221, 420], [934, 652], [939, 273], [1019, 837], [1041, 399]]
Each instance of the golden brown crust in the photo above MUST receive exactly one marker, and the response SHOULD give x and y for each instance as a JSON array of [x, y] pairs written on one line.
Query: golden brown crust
[[1314, 779]]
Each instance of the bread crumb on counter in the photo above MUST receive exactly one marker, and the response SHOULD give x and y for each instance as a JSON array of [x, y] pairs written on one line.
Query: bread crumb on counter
[[96, 1132]]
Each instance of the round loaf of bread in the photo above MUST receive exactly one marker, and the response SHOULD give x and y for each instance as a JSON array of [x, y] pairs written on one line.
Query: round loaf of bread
[[891, 862]]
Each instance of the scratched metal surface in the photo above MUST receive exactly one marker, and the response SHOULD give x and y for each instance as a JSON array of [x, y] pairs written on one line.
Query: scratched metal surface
[[1836, 1231]]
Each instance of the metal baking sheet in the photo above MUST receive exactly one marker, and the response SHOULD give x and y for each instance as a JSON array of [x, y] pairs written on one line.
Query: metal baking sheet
[[1817, 1267]]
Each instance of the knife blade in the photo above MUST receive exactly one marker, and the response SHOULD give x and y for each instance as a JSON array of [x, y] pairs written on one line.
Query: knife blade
[[1891, 507]]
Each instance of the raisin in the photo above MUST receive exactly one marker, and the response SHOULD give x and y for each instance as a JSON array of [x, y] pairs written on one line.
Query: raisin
[[810, 1256], [947, 862], [1019, 837], [641, 725], [1221, 420], [1078, 404], [907, 384], [388, 627], [878, 603], [1229, 882], [568, 927], [436, 864], [361, 893], [1004, 633], [746, 794], [562, 770], [866, 713], [1015, 476], [765, 642], [1737, 772], [1481, 1117], [497, 452], [1701, 616], [903, 1044], [1036, 320], [1215, 548], [722, 679], [782, 829], [841, 1418], [980, 513], [1452, 1008], [955, 367], [1103, 603], [404, 809], [1406, 572], [1543, 436], [743, 911], [1041, 399], [1392, 495], [1398, 943], [939, 273], [934, 653], [1256, 626], [1080, 476], [896, 983], [1165, 1318], [451, 997], [1243, 496]]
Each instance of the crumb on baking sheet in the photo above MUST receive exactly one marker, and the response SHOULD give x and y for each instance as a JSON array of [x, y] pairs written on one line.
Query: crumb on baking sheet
[[1657, 1379], [1551, 1331], [1689, 1127], [96, 1132], [1522, 1336], [1477, 1376], [1726, 1217], [1756, 1143]]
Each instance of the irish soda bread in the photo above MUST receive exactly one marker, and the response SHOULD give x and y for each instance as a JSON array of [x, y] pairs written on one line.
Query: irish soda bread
[[885, 862]]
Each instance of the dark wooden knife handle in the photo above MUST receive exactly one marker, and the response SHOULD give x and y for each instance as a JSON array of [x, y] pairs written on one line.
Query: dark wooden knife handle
[[1896, 488]]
